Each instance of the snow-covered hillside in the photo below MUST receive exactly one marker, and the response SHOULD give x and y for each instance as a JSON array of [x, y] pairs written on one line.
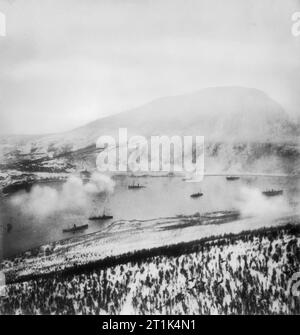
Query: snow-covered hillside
[[235, 121]]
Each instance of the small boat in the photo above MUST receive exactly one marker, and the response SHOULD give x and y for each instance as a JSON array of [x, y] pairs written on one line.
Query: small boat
[[272, 193], [231, 178], [9, 227], [196, 195], [134, 186], [75, 228]]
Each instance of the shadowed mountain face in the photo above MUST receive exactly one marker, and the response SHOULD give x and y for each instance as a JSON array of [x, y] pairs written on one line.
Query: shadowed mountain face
[[223, 115]]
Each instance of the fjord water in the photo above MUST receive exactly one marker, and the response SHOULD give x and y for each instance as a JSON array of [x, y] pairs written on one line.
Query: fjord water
[[161, 197]]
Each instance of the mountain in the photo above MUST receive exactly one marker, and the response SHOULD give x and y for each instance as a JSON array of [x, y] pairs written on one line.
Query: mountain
[[227, 115], [230, 114]]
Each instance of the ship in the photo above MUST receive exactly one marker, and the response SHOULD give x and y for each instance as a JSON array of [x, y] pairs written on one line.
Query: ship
[[101, 217], [231, 178], [196, 195], [272, 193], [134, 186], [75, 228]]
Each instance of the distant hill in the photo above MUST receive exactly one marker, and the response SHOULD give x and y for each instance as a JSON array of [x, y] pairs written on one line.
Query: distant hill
[[221, 114]]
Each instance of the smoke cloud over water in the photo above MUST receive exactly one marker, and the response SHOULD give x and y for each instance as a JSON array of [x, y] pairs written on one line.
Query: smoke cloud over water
[[251, 202], [73, 197]]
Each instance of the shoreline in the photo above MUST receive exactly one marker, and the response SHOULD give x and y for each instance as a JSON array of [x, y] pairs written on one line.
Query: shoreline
[[173, 250], [161, 220], [129, 236]]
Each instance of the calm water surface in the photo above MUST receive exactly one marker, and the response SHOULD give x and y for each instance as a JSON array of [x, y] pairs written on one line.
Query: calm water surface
[[162, 196]]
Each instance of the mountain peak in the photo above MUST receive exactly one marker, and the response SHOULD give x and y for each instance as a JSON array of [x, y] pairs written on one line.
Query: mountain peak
[[218, 113]]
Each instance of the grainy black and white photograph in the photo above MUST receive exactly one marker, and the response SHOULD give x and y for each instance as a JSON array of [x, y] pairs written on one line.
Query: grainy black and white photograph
[[149, 157]]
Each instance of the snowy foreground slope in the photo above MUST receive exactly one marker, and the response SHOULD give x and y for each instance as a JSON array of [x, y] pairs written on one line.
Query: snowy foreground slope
[[247, 273], [130, 236]]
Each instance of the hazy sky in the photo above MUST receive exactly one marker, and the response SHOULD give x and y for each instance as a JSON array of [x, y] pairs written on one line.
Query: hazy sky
[[64, 63]]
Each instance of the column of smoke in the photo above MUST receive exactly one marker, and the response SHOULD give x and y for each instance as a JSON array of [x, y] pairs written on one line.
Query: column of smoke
[[73, 197]]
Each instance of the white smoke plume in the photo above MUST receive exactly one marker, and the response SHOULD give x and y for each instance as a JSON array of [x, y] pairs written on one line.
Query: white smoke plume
[[99, 183], [251, 202], [73, 197]]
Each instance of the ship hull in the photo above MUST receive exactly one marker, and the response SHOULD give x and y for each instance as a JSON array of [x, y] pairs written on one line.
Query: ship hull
[[232, 178], [73, 230], [272, 194], [94, 218], [198, 195]]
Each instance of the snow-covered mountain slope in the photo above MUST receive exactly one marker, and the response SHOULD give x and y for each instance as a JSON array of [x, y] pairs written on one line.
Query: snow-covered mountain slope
[[220, 114], [226, 114], [223, 115]]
